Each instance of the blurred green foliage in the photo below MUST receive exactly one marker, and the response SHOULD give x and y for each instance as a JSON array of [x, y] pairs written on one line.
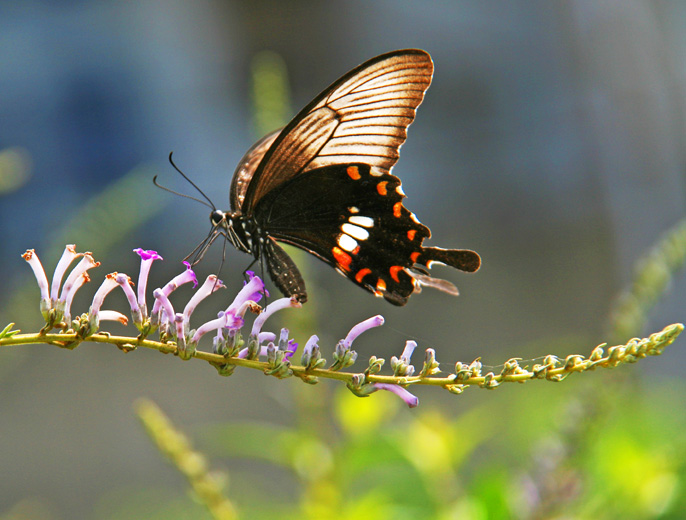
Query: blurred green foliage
[[580, 452]]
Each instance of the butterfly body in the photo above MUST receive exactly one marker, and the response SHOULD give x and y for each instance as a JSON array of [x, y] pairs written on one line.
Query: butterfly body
[[323, 184]]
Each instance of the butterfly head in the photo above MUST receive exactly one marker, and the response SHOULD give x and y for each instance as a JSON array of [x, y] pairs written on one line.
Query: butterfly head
[[237, 229]]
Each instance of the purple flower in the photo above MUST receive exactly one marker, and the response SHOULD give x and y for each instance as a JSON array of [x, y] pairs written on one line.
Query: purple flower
[[276, 305], [113, 316], [32, 258], [84, 278], [224, 320], [95, 314], [408, 350], [68, 256], [266, 337], [291, 347], [263, 337], [182, 348], [147, 258], [401, 366], [162, 310], [310, 350], [410, 399], [185, 277], [125, 283], [374, 321], [252, 291], [87, 262], [212, 284], [105, 288]]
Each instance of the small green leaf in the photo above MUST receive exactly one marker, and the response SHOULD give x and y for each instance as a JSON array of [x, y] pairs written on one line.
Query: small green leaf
[[7, 332]]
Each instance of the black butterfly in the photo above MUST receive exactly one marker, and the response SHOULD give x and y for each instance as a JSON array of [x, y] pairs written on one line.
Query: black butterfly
[[323, 184]]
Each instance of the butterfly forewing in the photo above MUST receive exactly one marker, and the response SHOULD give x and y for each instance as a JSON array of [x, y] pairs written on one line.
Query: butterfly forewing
[[246, 169], [361, 118]]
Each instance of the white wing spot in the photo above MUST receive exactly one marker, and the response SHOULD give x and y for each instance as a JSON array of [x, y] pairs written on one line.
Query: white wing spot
[[355, 231], [399, 190], [347, 243], [353, 209], [376, 172], [362, 221]]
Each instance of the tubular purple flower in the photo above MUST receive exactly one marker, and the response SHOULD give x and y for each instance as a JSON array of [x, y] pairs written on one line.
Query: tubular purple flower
[[125, 283], [105, 288], [291, 347], [276, 305], [187, 276], [264, 350], [374, 321], [68, 256], [180, 329], [212, 284], [311, 349], [408, 350], [224, 320], [87, 262], [113, 316], [84, 278], [148, 256], [311, 343], [251, 292], [32, 258], [283, 338], [162, 303], [266, 337], [410, 399]]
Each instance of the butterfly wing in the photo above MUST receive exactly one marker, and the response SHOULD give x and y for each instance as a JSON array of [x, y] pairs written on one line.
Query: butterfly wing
[[246, 169], [355, 221], [361, 118]]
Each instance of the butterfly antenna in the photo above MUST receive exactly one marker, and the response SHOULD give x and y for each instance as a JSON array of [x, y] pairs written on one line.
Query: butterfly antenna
[[209, 203], [154, 181]]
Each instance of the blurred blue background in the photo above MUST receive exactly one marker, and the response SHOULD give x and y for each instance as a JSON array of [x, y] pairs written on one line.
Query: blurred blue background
[[551, 141]]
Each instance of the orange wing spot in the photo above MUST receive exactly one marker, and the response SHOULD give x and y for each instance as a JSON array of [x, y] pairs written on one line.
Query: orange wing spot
[[342, 258], [380, 285], [381, 188], [354, 173], [411, 233], [396, 209], [414, 256], [356, 250], [361, 274], [395, 269]]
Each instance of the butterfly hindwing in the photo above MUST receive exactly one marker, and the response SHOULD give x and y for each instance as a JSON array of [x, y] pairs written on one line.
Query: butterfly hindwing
[[355, 221]]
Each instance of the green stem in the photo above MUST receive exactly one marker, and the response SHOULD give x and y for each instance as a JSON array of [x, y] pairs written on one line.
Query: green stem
[[554, 371]]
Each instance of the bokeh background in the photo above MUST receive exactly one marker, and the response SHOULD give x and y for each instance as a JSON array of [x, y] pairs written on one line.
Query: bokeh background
[[551, 141]]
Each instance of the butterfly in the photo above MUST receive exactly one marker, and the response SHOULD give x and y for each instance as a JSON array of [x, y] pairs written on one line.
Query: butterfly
[[323, 184]]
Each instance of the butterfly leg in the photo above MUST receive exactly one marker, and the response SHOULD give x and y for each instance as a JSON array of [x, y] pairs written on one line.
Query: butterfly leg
[[283, 271]]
